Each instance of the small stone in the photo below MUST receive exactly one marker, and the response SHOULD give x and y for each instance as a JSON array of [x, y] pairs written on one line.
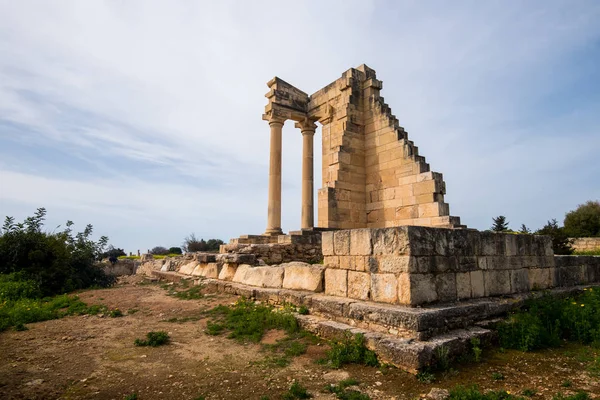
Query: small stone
[[336, 376], [35, 382], [437, 394], [378, 383]]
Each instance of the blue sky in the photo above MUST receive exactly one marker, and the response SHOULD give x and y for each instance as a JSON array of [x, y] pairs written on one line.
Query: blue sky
[[143, 118]]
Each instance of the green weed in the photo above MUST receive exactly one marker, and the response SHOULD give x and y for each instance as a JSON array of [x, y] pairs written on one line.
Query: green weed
[[154, 339], [497, 376], [350, 350], [528, 392], [425, 376], [296, 391], [342, 393], [247, 321], [475, 347], [132, 396], [473, 393]]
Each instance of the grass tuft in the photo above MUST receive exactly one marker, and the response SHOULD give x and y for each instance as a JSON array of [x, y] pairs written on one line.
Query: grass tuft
[[154, 339], [351, 350]]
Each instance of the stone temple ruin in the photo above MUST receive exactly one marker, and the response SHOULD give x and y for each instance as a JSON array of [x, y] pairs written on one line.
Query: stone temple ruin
[[386, 259]]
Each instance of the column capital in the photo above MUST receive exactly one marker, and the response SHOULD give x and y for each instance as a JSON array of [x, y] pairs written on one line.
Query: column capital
[[272, 120], [307, 126]]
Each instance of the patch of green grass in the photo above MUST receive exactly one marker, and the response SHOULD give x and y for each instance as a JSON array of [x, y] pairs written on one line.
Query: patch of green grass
[[341, 392], [296, 391], [247, 321], [350, 350], [154, 339], [425, 376], [476, 349], [528, 392], [497, 376], [547, 321], [132, 311], [576, 396], [587, 253], [473, 393], [303, 310], [566, 384], [594, 367], [25, 311], [194, 293], [132, 396], [116, 313]]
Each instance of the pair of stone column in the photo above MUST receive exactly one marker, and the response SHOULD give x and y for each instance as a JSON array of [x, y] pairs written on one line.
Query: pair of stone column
[[307, 128]]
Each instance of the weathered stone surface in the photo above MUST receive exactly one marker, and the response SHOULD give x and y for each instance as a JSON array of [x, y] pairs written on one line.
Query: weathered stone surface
[[519, 280], [187, 269], [496, 282], [236, 258], [327, 243], [341, 243], [539, 278], [268, 277], [359, 285], [360, 242], [336, 282], [477, 284], [390, 241], [228, 271], [463, 285], [303, 276], [384, 288], [445, 285], [395, 264]]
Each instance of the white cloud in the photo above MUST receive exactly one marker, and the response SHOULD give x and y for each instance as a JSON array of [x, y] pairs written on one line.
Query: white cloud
[[180, 86]]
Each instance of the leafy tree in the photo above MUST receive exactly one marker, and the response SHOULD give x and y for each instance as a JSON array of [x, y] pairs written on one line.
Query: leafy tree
[[561, 244], [500, 224], [159, 251], [192, 244], [57, 262], [584, 221], [111, 251], [524, 229], [175, 250]]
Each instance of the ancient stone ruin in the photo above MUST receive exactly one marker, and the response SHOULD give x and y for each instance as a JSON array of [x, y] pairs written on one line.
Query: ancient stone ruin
[[386, 259]]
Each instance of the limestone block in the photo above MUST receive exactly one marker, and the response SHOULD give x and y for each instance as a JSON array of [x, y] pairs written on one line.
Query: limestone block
[[463, 285], [477, 284], [359, 285], [539, 278], [303, 276], [327, 243], [390, 241], [331, 261], [341, 243], [228, 271], [396, 264], [187, 269], [415, 289], [360, 242], [445, 286], [511, 247], [212, 270], [519, 280], [496, 282], [199, 269], [270, 277], [492, 244], [336, 282], [345, 262], [384, 288]]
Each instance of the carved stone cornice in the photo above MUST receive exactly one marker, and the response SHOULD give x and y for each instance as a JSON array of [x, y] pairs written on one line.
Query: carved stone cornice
[[306, 126]]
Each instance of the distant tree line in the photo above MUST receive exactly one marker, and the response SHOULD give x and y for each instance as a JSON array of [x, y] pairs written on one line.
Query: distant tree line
[[584, 221], [190, 244]]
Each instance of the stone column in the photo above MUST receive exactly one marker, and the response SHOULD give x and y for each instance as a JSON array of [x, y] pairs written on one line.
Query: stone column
[[274, 213], [308, 214]]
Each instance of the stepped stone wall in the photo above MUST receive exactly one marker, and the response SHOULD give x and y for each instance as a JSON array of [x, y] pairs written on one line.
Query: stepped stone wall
[[373, 175], [586, 244]]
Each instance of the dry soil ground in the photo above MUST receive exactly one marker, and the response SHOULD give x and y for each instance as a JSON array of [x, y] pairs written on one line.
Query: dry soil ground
[[92, 357]]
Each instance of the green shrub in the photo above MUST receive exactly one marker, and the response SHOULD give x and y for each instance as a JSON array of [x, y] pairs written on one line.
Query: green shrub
[[341, 392], [350, 350], [57, 262], [246, 321], [546, 321], [154, 339], [473, 393], [297, 391], [529, 392], [425, 376], [476, 348], [584, 221]]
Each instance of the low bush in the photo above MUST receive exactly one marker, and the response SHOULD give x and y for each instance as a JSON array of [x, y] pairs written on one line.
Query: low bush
[[247, 321], [342, 392], [547, 321], [154, 339], [296, 391], [350, 350]]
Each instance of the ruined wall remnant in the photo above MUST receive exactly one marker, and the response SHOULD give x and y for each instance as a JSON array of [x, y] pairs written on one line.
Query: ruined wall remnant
[[373, 175]]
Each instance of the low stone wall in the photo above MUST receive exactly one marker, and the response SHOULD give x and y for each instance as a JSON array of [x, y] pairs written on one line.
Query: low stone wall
[[576, 270], [121, 267], [287, 248], [586, 244], [416, 265]]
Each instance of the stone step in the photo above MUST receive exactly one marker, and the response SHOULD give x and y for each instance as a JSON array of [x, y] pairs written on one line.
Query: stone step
[[408, 354]]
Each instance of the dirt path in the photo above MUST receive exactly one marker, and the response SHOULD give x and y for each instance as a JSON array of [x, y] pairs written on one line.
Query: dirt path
[[92, 357]]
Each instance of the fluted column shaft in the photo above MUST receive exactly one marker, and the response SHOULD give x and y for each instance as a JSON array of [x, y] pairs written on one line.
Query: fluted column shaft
[[274, 212]]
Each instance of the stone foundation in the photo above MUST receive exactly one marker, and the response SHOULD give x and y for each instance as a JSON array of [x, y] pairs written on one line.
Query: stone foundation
[[417, 265], [586, 244]]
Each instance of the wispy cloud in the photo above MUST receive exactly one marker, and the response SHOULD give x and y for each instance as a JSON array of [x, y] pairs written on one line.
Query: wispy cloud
[[152, 111]]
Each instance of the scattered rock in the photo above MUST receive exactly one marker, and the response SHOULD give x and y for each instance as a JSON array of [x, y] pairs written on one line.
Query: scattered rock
[[336, 376], [437, 394], [35, 382]]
